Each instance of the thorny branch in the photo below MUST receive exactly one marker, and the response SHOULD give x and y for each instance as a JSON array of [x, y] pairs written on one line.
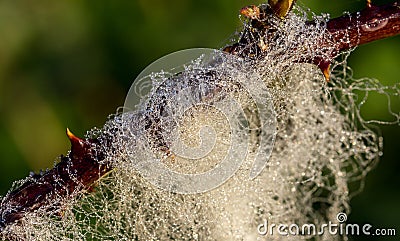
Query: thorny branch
[[84, 165], [344, 33]]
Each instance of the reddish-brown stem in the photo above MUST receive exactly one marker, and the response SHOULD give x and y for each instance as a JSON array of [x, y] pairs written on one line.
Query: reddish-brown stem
[[75, 173], [84, 165], [372, 23], [343, 33], [349, 31]]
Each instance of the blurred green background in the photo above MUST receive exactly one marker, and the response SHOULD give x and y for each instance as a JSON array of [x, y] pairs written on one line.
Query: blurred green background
[[71, 63]]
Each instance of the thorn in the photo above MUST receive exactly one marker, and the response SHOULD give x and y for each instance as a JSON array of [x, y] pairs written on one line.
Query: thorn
[[231, 49], [324, 65], [77, 143], [281, 7], [72, 137], [251, 12], [327, 73], [369, 3], [325, 68], [70, 134]]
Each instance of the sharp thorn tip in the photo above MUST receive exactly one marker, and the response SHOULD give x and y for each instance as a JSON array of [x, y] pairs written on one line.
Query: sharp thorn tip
[[70, 134]]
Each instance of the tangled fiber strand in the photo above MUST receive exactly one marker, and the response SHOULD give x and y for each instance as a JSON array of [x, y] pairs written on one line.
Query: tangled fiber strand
[[322, 147]]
